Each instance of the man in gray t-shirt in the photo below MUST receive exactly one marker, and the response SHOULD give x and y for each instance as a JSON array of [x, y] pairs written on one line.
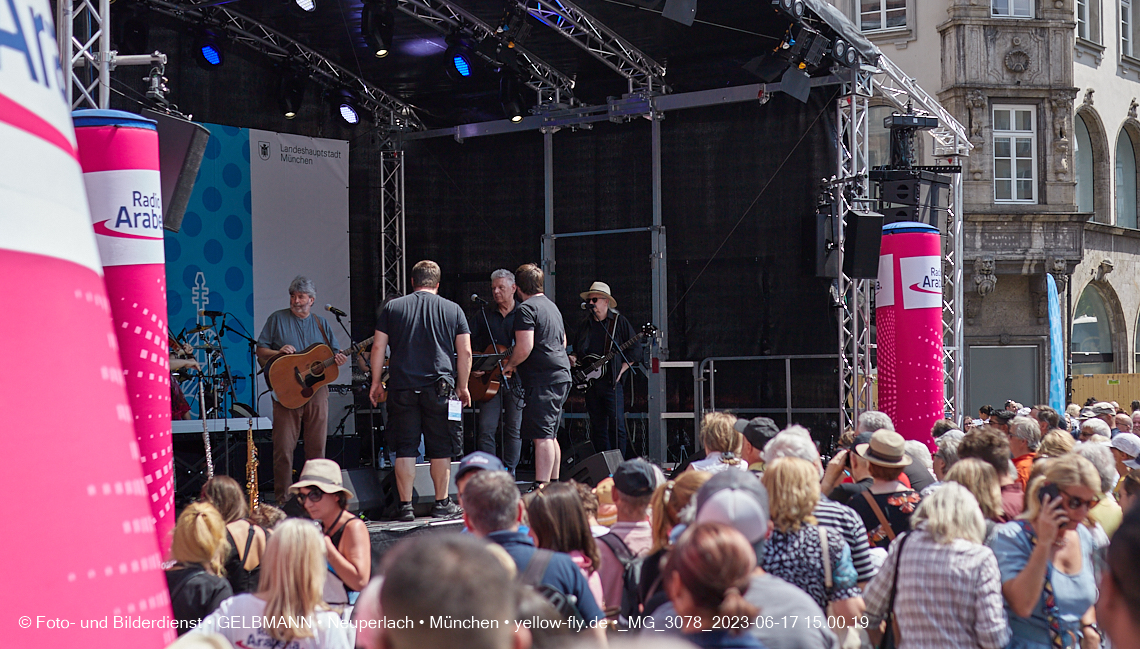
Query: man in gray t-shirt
[[289, 331]]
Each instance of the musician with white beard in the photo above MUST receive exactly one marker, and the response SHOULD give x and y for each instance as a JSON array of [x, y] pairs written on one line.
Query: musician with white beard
[[289, 331], [604, 330]]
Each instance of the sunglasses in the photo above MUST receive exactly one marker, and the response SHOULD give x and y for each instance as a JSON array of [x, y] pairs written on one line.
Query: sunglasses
[[1072, 502], [314, 495], [595, 299]]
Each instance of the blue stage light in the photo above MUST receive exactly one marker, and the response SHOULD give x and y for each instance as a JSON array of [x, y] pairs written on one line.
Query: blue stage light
[[212, 54], [462, 65], [349, 114]]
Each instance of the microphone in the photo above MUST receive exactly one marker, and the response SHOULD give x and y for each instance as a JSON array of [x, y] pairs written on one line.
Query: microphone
[[478, 300], [336, 311], [212, 314], [586, 306]]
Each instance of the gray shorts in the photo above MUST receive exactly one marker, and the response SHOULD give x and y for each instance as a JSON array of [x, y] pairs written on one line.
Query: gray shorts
[[543, 410]]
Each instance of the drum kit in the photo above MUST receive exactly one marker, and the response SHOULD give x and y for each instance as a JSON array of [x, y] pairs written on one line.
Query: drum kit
[[210, 388]]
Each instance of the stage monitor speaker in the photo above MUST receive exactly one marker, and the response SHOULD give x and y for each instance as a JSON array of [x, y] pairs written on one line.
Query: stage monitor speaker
[[181, 145], [366, 490], [862, 237], [593, 469], [423, 490]]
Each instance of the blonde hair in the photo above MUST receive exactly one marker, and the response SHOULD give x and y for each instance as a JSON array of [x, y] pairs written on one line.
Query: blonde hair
[[793, 492], [1070, 470], [718, 434], [981, 480], [952, 512], [200, 537], [668, 501], [293, 578], [1055, 443]]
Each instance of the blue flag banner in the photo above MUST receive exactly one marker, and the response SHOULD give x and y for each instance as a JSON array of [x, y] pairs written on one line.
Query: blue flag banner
[[1056, 349]]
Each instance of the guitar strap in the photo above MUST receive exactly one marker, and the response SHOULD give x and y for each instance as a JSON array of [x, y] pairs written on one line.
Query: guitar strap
[[328, 342]]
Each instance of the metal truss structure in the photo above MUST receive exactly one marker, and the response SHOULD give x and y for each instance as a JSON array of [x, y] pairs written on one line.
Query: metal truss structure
[[83, 32], [392, 242], [242, 29], [552, 86], [601, 42]]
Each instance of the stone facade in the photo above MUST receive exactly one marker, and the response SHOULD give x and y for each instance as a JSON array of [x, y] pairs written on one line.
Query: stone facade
[[1062, 72]]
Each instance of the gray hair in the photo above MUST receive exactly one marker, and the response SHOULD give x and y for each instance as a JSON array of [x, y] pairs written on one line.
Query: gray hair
[[491, 500], [1098, 426], [790, 443], [948, 447], [1026, 429], [1101, 458], [919, 453], [796, 429], [503, 273], [873, 420], [302, 284], [950, 513]]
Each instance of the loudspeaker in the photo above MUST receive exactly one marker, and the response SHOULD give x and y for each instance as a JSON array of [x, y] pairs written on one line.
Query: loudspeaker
[[819, 249], [901, 192], [423, 490], [593, 469], [366, 489], [862, 238], [181, 145]]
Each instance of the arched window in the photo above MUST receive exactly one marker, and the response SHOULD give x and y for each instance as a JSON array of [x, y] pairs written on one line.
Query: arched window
[[1125, 181], [1086, 184], [1092, 335]]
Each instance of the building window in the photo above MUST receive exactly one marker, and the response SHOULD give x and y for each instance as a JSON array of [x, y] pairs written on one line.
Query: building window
[[881, 14], [1092, 335], [1015, 154], [1012, 8], [1125, 182], [1126, 27], [1088, 20], [1083, 156]]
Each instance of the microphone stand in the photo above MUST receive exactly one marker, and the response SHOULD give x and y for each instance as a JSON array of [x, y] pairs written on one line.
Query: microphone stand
[[371, 423]]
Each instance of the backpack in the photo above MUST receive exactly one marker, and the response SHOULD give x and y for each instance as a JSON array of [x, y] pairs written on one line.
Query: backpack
[[632, 566], [566, 604]]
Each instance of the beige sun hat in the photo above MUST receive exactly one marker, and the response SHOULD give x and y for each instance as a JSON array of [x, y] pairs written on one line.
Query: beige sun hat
[[600, 289], [320, 474], [887, 448]]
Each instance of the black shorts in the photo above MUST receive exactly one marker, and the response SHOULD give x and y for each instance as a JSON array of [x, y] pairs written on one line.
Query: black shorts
[[543, 410], [412, 413]]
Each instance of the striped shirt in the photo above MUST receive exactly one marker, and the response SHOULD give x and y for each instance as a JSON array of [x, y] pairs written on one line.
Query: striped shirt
[[844, 520]]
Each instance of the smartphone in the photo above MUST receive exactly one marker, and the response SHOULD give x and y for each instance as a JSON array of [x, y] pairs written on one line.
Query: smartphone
[[1049, 490]]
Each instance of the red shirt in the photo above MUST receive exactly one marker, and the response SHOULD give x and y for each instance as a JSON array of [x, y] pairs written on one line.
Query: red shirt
[[1012, 501], [1024, 466]]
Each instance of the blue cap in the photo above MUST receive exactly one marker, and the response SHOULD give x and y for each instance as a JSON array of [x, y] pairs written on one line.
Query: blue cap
[[479, 461]]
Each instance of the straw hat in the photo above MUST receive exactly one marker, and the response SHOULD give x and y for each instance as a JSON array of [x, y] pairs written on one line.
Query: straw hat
[[320, 474], [600, 289], [887, 448]]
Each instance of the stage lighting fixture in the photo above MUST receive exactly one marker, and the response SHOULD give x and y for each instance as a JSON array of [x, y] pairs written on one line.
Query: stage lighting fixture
[[843, 53], [376, 24], [208, 52], [292, 93], [793, 8], [512, 99], [345, 106], [307, 6]]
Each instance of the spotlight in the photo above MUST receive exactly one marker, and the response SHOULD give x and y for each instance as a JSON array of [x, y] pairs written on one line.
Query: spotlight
[[306, 6], [208, 51], [843, 53], [460, 59], [511, 98], [794, 8], [376, 22], [346, 106], [292, 93]]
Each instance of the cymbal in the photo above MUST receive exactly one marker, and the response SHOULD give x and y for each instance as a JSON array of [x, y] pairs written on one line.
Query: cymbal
[[199, 329]]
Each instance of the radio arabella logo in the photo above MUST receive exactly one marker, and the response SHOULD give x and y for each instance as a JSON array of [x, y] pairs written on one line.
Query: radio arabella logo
[[263, 150]]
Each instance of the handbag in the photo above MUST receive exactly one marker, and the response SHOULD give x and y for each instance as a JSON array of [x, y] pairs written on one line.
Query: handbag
[[892, 635], [848, 635]]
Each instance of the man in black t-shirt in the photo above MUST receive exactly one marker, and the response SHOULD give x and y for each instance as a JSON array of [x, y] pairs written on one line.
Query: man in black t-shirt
[[495, 324], [542, 364], [428, 371]]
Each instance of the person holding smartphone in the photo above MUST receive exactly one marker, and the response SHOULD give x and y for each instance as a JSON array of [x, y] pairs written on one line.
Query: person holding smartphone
[[1046, 559]]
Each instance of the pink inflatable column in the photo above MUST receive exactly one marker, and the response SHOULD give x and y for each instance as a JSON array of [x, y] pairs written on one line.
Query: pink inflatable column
[[908, 316], [81, 562], [119, 154]]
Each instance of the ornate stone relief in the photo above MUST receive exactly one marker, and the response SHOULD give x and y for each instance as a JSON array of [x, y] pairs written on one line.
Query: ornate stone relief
[[984, 278], [1059, 269], [1017, 60], [976, 103], [1088, 97], [1102, 270]]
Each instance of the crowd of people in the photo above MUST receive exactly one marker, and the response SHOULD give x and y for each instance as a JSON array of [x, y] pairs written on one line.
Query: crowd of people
[[1014, 533]]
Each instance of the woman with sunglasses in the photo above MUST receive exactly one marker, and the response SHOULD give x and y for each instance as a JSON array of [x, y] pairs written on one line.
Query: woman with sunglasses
[[346, 537], [1046, 559]]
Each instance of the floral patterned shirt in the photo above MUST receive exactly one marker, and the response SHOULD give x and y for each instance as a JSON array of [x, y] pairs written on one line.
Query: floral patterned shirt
[[797, 558], [897, 508]]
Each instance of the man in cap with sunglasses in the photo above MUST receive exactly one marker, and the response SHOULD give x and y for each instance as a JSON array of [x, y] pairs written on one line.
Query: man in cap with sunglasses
[[602, 331]]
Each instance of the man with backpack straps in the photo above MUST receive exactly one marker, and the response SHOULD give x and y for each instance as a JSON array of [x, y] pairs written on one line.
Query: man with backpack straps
[[629, 538], [492, 509]]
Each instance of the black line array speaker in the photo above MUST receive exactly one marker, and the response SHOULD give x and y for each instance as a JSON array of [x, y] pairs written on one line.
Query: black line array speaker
[[423, 490], [862, 238], [593, 469], [181, 145]]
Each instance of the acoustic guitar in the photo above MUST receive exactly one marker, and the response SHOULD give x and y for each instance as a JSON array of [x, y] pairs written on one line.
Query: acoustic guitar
[[593, 367], [295, 377], [484, 388]]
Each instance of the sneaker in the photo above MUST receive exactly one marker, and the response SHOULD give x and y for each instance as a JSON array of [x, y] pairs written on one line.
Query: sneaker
[[446, 509], [406, 514]]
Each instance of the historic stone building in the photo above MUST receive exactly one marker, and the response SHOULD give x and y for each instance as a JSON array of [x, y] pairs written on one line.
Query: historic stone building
[[1047, 90]]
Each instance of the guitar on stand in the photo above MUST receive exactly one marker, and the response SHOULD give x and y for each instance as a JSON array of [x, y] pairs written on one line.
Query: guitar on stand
[[294, 378], [592, 367]]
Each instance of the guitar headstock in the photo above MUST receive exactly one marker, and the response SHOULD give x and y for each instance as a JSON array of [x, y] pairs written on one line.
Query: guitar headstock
[[648, 329]]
